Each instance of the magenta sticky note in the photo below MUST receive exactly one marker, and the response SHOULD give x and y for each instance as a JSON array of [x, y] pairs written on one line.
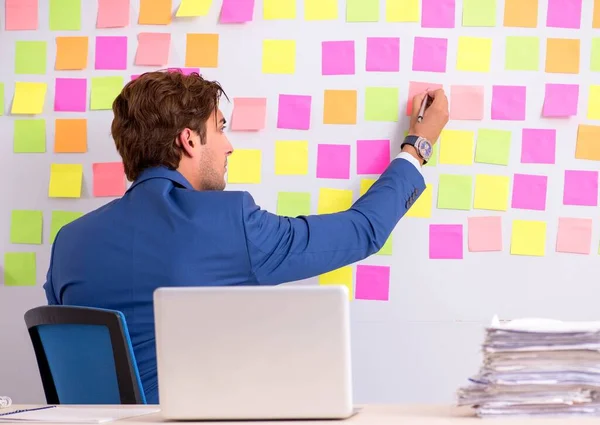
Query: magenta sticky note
[[372, 156], [249, 113], [333, 161], [112, 14], [153, 49], [109, 179], [466, 102], [581, 188], [417, 87], [438, 13], [337, 58], [429, 54], [21, 15], [485, 233], [538, 146], [560, 100], [70, 94], [529, 192], [185, 71], [446, 241], [564, 13], [508, 103], [574, 235], [372, 283], [236, 11], [293, 112], [383, 54], [111, 52]]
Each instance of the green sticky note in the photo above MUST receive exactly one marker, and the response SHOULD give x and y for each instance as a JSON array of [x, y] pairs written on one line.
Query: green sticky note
[[493, 146], [386, 249], [595, 59], [26, 227], [479, 13], [60, 219], [30, 136], [30, 57], [1, 98], [65, 15], [522, 53], [104, 91], [19, 269], [455, 192], [382, 104], [362, 10], [293, 204], [434, 156]]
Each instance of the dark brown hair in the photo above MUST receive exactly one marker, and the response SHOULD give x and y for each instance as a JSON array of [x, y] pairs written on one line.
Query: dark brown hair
[[153, 109]]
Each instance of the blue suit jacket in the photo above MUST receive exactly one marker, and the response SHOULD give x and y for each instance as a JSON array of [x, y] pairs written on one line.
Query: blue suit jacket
[[164, 233]]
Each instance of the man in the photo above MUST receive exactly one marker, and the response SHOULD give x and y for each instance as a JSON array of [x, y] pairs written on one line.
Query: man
[[176, 226]]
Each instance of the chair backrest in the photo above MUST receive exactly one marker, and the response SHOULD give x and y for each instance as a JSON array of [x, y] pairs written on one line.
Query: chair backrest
[[84, 355]]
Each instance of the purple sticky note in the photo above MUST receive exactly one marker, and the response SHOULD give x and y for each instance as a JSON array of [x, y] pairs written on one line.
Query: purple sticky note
[[581, 188], [429, 54], [185, 71], [372, 283], [337, 58], [372, 156], [508, 103], [111, 52], [445, 241], [438, 13], [538, 146], [293, 112], [383, 54], [529, 192], [564, 14], [466, 102], [561, 100], [70, 94], [333, 161], [237, 11]]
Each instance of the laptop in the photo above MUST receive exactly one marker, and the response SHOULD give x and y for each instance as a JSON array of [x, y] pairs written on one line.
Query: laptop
[[253, 352]]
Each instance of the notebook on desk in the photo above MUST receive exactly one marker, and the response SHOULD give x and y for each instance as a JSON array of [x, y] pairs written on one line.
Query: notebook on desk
[[74, 415]]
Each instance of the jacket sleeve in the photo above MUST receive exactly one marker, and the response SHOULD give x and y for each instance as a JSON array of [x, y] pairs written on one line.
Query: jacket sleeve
[[283, 249]]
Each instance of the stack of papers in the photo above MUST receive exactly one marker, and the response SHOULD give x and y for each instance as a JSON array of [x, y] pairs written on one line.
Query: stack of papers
[[537, 367], [77, 414]]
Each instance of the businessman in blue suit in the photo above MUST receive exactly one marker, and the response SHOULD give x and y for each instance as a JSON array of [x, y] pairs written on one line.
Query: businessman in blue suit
[[177, 226]]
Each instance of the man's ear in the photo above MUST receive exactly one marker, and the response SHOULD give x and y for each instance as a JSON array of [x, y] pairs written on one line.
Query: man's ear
[[186, 142]]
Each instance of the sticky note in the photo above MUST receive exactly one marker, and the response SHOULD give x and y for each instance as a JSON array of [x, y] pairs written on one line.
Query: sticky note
[[538, 146], [387, 247], [529, 192], [1, 98], [340, 276], [382, 104], [509, 103], [418, 87], [279, 9], [429, 54], [60, 219], [113, 14], [383, 54], [562, 55], [202, 50], [564, 14], [423, 205], [249, 113], [30, 57], [65, 180], [362, 10], [279, 57], [372, 282], [596, 14], [21, 15], [236, 11], [333, 161], [109, 179], [71, 53], [588, 142], [293, 204], [291, 157], [446, 241], [29, 136], [111, 52], [466, 102], [455, 192], [560, 100], [70, 94], [70, 135], [320, 10], [479, 13], [484, 234], [580, 188], [26, 227], [337, 57], [104, 91], [595, 56], [185, 71], [528, 237], [155, 12], [456, 147], [402, 11], [574, 235], [522, 53], [474, 54], [65, 15], [491, 192], [29, 98], [365, 185], [333, 200], [339, 106], [153, 49], [245, 166], [19, 269], [293, 112], [372, 156], [521, 13], [438, 13], [593, 106], [194, 8]]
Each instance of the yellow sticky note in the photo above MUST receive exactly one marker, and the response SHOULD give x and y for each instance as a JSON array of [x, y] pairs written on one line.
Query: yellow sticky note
[[65, 181], [528, 238], [491, 192], [594, 103], [279, 57], [194, 8], [341, 276], [291, 157], [29, 98], [365, 184], [334, 200], [320, 10], [474, 54], [244, 166], [279, 9], [456, 147], [402, 11], [422, 207]]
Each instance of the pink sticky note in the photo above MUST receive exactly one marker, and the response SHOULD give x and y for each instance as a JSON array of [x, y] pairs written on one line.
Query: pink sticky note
[[372, 156], [153, 48], [337, 58], [185, 71], [70, 94], [109, 179], [21, 15], [508, 103], [561, 100], [372, 283], [383, 54], [416, 87], [538, 146], [333, 161], [529, 192], [574, 235], [485, 234], [249, 113], [564, 14], [112, 14], [466, 102], [445, 241], [293, 112], [236, 11], [429, 54], [438, 13], [111, 52], [581, 188]]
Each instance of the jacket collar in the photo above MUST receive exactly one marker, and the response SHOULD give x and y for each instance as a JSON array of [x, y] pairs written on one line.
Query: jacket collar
[[162, 172]]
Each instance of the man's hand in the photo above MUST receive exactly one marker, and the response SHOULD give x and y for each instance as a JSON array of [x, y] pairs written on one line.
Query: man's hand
[[434, 119]]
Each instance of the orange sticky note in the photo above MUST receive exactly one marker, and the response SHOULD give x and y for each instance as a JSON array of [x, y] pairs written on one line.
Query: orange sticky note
[[562, 55], [339, 107], [588, 142], [70, 135], [596, 17], [521, 13], [202, 50], [71, 53], [155, 12]]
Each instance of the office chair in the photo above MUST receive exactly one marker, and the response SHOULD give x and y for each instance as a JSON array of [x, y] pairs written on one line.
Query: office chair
[[84, 355]]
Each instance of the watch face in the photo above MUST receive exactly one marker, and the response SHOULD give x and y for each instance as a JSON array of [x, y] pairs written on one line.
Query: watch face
[[424, 147]]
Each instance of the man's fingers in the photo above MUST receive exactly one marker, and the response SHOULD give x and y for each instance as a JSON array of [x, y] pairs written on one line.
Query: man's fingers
[[436, 93], [416, 103]]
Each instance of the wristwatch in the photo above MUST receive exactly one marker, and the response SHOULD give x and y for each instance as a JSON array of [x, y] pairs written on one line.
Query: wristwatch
[[421, 144]]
